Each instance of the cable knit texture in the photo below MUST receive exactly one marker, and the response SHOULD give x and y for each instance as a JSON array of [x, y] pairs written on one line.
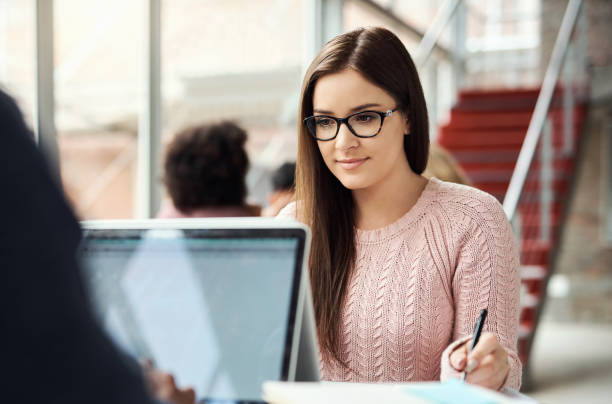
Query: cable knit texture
[[420, 283]]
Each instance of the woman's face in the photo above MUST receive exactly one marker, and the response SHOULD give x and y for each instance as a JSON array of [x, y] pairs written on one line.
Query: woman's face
[[359, 163]]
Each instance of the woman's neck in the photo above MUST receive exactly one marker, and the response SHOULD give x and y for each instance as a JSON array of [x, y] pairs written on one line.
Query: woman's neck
[[384, 203]]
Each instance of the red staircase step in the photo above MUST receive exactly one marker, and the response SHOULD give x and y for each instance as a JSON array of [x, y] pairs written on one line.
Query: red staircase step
[[478, 94], [532, 281], [534, 233], [481, 139], [500, 118], [528, 196], [534, 208], [531, 196], [485, 133], [511, 138], [491, 156], [530, 301], [532, 276], [535, 252], [531, 224], [487, 165], [491, 173], [560, 186], [505, 99], [563, 164], [529, 308], [448, 132], [463, 119], [502, 156], [525, 330], [533, 219], [524, 343], [516, 104]]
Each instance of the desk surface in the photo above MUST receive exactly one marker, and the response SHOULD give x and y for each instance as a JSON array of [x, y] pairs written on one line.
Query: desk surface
[[406, 393]]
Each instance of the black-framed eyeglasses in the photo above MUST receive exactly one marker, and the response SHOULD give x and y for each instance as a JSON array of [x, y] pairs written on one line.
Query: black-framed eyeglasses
[[362, 124]]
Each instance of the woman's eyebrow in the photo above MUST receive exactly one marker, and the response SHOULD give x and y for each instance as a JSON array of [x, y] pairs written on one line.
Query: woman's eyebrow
[[364, 106], [354, 109]]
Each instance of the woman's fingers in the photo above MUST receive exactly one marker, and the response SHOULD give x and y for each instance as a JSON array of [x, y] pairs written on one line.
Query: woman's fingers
[[488, 363], [490, 373], [486, 345], [487, 377], [458, 357]]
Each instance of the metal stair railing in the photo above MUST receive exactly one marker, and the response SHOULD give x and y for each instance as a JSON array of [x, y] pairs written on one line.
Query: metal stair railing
[[540, 113], [540, 131], [562, 69]]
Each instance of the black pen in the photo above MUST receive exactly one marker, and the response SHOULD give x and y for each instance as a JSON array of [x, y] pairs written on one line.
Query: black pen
[[476, 336]]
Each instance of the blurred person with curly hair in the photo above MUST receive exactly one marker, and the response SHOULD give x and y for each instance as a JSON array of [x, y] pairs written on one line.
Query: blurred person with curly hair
[[205, 171]]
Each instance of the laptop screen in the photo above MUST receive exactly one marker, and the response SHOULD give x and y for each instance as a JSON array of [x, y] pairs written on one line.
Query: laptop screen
[[215, 308]]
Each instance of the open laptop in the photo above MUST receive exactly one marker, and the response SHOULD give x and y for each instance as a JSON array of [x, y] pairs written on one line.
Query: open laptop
[[222, 304]]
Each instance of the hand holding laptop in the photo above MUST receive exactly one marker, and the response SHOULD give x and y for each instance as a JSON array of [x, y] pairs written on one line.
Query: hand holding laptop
[[163, 386]]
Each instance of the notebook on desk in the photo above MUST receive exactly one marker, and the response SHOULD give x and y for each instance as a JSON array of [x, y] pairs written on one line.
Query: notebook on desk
[[222, 304]]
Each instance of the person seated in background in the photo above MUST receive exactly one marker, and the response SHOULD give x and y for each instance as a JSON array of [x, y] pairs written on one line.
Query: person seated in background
[[443, 166], [53, 349], [205, 172], [283, 188]]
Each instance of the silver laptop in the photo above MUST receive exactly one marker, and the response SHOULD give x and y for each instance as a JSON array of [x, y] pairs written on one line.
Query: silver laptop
[[222, 304]]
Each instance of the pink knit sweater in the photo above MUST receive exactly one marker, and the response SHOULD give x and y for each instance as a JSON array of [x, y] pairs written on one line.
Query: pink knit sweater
[[420, 283]]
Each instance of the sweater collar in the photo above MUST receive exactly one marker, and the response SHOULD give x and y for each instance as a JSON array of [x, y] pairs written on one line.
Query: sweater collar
[[415, 213]]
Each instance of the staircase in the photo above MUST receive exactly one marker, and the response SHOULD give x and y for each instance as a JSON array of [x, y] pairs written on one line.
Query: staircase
[[485, 134]]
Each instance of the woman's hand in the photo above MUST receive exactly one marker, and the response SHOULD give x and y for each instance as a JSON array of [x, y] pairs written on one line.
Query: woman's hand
[[163, 387], [487, 364]]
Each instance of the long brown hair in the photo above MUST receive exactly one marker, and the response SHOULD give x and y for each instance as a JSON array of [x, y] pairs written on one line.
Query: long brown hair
[[323, 202]]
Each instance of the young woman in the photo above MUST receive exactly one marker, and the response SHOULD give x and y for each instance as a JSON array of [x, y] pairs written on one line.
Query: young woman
[[400, 266]]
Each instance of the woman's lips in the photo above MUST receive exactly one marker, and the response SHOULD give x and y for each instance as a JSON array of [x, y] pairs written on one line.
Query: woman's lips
[[351, 164]]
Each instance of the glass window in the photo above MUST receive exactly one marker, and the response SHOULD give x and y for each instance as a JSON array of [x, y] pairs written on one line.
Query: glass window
[[17, 56], [213, 71], [419, 15], [98, 77], [503, 41]]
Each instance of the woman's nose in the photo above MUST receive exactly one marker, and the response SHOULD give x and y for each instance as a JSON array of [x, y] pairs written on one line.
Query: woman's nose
[[345, 138]]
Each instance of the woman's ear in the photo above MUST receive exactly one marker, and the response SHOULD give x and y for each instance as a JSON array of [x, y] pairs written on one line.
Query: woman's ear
[[406, 125]]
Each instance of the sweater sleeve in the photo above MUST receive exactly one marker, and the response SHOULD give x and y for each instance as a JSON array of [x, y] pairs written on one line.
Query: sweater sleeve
[[486, 276]]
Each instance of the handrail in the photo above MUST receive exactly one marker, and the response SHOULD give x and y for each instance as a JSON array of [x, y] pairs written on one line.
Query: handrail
[[538, 119], [430, 39]]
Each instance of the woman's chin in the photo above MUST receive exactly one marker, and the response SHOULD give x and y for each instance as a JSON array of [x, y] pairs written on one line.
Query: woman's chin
[[353, 184]]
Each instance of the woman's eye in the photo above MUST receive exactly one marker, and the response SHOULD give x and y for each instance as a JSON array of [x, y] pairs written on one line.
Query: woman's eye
[[364, 118], [324, 122]]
